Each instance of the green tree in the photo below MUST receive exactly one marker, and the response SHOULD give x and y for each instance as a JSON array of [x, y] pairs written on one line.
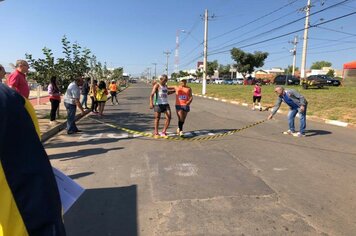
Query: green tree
[[247, 62], [224, 71], [289, 69], [212, 67], [331, 73], [44, 68], [199, 74], [117, 73], [320, 64], [75, 63]]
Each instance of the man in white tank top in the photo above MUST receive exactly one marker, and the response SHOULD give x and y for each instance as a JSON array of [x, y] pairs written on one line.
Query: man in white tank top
[[159, 102]]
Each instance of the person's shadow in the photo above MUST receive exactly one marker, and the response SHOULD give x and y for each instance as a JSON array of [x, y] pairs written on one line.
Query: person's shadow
[[310, 133], [104, 211]]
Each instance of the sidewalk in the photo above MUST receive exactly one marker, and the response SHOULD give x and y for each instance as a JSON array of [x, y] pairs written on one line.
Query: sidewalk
[[43, 112]]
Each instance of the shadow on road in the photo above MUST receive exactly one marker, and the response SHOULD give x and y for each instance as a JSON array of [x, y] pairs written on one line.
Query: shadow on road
[[82, 153], [310, 133], [58, 144], [106, 211], [80, 175]]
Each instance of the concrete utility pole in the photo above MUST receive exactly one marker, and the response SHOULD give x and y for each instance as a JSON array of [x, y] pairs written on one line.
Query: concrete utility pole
[[206, 18], [305, 41], [294, 51], [167, 55], [155, 64], [176, 55]]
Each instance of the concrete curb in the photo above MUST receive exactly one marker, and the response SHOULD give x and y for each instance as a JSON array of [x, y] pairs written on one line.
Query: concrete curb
[[55, 130], [314, 118]]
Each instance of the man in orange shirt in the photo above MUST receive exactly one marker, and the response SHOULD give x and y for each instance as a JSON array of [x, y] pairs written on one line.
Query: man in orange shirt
[[17, 79], [113, 92]]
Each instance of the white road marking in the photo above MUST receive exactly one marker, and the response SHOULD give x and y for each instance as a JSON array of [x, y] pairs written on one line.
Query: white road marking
[[183, 169], [91, 136], [280, 169]]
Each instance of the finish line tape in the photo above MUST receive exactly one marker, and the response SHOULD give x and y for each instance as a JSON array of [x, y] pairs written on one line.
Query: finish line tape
[[205, 138]]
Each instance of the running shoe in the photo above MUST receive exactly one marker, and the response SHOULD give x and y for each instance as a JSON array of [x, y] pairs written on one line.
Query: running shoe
[[298, 135], [289, 132]]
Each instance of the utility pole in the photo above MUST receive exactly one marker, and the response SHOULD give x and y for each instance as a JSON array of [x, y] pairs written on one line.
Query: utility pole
[[176, 55], [206, 18], [305, 41], [167, 55], [294, 52], [155, 64]]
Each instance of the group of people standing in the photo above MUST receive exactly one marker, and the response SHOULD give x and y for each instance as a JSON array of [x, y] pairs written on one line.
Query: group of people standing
[[98, 94]]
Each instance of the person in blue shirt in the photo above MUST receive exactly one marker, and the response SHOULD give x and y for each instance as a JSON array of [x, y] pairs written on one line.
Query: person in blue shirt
[[297, 104]]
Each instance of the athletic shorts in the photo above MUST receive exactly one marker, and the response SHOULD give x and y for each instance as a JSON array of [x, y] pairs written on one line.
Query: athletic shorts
[[258, 99], [161, 108], [113, 93], [182, 108]]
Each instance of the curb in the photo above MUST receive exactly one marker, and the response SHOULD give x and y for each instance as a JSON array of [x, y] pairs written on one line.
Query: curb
[[314, 118], [55, 130]]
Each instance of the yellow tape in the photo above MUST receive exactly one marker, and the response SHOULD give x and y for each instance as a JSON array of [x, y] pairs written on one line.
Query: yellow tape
[[206, 138]]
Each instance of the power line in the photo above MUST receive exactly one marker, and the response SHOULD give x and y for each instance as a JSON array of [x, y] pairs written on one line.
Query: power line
[[284, 25], [286, 34], [259, 18]]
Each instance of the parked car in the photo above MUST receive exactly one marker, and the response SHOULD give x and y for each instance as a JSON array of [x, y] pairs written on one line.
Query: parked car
[[238, 81], [228, 82], [329, 80], [219, 81], [313, 81], [289, 79]]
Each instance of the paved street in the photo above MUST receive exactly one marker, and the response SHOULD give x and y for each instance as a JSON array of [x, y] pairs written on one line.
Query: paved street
[[255, 182]]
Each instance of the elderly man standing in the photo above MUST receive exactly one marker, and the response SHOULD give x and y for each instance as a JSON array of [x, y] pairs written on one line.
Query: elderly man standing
[[71, 102], [17, 79], [297, 103]]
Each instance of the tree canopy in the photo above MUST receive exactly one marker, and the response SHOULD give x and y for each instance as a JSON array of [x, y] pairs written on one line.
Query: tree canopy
[[320, 64], [77, 61], [247, 62]]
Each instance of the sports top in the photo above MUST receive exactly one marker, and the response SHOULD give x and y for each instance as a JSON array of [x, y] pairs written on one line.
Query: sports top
[[182, 96]]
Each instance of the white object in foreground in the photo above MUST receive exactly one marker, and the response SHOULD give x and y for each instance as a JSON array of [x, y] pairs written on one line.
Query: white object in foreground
[[69, 190]]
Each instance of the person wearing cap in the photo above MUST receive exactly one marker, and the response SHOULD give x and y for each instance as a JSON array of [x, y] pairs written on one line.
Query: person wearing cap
[[113, 92], [159, 102], [184, 98], [17, 79]]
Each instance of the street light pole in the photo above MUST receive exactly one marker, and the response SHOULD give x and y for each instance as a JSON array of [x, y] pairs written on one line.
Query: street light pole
[[305, 41], [176, 56], [155, 64], [205, 51], [167, 55], [294, 51]]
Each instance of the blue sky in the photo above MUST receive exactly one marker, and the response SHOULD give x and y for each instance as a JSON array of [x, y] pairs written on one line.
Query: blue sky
[[133, 34]]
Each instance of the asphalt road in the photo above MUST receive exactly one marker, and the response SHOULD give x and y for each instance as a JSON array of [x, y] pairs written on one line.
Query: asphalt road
[[255, 182]]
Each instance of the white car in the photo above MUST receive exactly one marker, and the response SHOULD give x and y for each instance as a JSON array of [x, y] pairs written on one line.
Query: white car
[[219, 81], [238, 81]]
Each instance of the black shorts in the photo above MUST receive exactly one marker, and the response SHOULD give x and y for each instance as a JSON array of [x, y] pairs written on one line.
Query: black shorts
[[257, 98], [113, 93], [183, 108], [161, 108]]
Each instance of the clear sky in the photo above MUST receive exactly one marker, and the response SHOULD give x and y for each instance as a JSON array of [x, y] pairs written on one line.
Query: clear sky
[[134, 33]]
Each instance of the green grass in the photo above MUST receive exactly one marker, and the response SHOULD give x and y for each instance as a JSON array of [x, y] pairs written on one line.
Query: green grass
[[335, 103]]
